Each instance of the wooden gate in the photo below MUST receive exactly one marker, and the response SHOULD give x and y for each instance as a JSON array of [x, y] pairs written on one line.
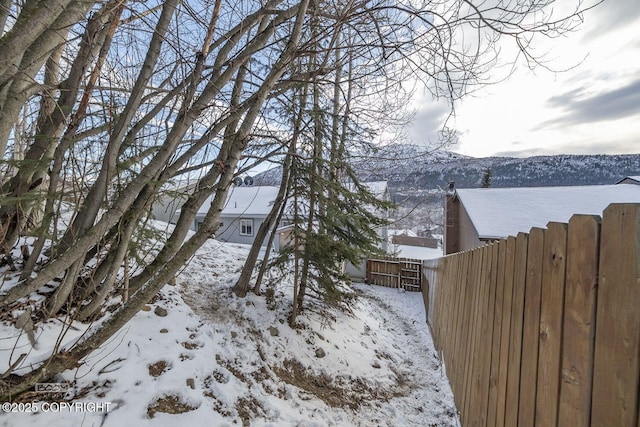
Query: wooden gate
[[391, 272]]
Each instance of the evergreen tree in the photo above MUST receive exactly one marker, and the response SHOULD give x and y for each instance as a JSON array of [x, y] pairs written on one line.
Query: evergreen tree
[[486, 178]]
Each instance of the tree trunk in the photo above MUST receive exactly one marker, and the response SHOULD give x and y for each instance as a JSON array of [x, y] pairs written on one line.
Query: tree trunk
[[241, 288]]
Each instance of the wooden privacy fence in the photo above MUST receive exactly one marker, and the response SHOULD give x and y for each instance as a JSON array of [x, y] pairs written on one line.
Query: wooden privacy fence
[[543, 328], [391, 272]]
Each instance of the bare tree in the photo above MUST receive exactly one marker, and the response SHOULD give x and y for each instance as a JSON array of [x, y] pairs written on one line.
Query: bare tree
[[104, 102]]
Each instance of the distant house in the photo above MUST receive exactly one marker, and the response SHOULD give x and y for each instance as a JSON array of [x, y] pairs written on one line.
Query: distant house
[[248, 206], [245, 210], [630, 180], [477, 216], [407, 244], [404, 239], [171, 198]]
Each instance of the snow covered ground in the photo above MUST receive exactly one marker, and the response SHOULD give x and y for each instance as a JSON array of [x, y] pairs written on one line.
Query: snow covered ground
[[197, 356]]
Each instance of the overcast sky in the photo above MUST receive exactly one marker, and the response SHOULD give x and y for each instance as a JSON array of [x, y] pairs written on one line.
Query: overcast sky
[[591, 109]]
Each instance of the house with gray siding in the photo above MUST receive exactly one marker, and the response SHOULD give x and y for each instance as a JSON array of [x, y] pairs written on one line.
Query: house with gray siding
[[245, 210], [167, 206]]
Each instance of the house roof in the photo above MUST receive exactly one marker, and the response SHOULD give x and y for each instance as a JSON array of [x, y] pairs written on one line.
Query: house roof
[[403, 232], [246, 200], [502, 212], [257, 200], [417, 252], [630, 178], [377, 188]]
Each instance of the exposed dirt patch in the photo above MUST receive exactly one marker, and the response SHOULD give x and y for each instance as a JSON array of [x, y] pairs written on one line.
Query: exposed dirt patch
[[218, 406], [248, 408], [336, 392], [218, 376], [169, 405], [157, 297], [158, 368], [189, 345], [232, 366]]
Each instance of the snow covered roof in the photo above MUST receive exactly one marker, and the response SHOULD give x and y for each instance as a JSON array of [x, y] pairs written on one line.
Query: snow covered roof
[[250, 200], [417, 252], [246, 200], [403, 232], [626, 179], [502, 212], [376, 188], [257, 200]]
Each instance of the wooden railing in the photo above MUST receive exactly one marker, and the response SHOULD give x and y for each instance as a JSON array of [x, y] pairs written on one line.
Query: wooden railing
[[543, 328]]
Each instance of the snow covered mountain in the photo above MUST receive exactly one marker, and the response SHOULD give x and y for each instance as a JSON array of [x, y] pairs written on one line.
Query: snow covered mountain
[[413, 170], [435, 170]]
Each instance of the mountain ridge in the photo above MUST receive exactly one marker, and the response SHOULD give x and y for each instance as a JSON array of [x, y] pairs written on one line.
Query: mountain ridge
[[411, 169], [537, 171]]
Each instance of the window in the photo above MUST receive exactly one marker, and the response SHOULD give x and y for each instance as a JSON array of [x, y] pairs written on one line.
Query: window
[[246, 227]]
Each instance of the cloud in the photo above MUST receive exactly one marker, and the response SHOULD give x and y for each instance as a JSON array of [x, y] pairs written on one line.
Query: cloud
[[615, 104], [427, 123], [611, 14], [622, 146]]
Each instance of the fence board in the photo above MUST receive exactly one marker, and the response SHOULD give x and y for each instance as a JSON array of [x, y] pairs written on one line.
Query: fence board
[[551, 308], [579, 320], [474, 332], [451, 314], [497, 333], [617, 345], [442, 317], [531, 329], [484, 328], [492, 279], [506, 330], [517, 317], [465, 346], [463, 319]]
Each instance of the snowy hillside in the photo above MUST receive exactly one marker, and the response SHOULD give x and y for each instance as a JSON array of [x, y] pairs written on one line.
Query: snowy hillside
[[430, 171], [197, 355], [412, 170]]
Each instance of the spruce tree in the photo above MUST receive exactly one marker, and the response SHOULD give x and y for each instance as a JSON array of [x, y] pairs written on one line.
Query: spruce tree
[[486, 178]]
